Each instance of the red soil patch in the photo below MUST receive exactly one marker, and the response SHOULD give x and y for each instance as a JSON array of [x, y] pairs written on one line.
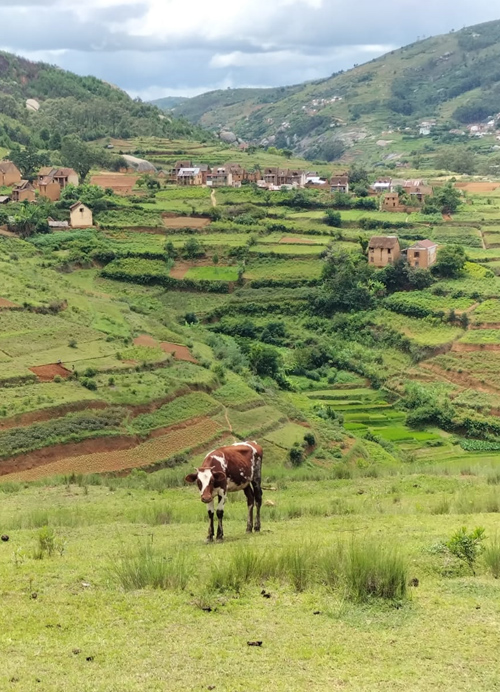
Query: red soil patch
[[477, 187], [145, 340], [124, 457], [6, 304], [46, 373], [121, 183], [447, 217], [181, 352], [6, 233], [297, 241], [184, 221]]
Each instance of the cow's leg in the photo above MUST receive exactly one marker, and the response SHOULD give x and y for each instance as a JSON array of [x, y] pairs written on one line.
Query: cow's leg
[[220, 516], [250, 502], [257, 489], [210, 536]]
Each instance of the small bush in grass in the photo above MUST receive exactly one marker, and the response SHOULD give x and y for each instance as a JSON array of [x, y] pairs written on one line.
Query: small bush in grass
[[72, 343], [154, 570], [373, 571], [296, 455], [296, 563], [442, 506], [492, 556], [47, 544], [309, 439], [467, 546]]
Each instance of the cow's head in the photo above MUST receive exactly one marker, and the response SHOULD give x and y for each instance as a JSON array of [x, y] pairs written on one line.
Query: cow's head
[[207, 480]]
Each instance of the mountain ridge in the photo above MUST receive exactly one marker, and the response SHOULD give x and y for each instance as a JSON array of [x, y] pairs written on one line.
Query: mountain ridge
[[452, 78]]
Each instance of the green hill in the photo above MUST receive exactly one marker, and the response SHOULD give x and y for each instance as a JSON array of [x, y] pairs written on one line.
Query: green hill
[[68, 103], [454, 78]]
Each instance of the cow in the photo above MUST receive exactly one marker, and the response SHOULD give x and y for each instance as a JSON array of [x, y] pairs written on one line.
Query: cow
[[226, 470]]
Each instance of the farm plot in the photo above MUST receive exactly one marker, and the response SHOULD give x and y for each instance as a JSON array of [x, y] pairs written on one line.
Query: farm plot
[[46, 373], [488, 339], [424, 303], [478, 369], [149, 453], [184, 221], [213, 273], [423, 332], [463, 235], [287, 436], [487, 313], [236, 394], [284, 269], [251, 423], [183, 408]]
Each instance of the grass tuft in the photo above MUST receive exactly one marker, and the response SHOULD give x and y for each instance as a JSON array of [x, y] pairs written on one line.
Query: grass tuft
[[147, 568]]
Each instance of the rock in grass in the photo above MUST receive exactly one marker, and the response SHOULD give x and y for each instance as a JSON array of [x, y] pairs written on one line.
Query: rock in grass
[[257, 643], [5, 538]]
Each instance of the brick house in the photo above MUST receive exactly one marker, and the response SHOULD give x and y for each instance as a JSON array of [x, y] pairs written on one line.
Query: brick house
[[23, 192], [9, 174], [277, 177], [80, 216], [220, 177], [383, 250], [339, 183], [189, 176], [51, 181], [422, 254]]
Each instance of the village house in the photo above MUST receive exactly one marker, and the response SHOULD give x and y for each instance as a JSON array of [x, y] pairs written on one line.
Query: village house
[[4, 199], [51, 181], [9, 174], [339, 183], [381, 185], [220, 177], [57, 225], [390, 202], [277, 177], [418, 192], [422, 254], [189, 176], [80, 216], [23, 192], [383, 250]]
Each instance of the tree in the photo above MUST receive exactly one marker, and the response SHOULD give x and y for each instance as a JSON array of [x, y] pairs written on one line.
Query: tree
[[28, 160], [265, 361], [77, 155], [333, 218], [349, 284], [446, 200], [450, 261]]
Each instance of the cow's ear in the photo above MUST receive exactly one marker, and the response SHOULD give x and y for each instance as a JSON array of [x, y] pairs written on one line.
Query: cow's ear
[[191, 478], [219, 477]]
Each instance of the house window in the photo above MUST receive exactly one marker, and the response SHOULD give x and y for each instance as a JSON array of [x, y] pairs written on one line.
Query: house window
[[389, 251], [417, 254]]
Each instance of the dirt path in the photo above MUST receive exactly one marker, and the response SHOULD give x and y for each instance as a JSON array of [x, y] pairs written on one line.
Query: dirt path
[[213, 198], [229, 425]]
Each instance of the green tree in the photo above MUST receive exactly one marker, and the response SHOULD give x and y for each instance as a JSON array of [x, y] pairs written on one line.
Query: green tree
[[450, 261], [264, 360], [77, 155], [28, 160], [333, 218]]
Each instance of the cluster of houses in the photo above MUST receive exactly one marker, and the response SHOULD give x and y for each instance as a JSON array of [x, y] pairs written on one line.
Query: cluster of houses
[[401, 195], [384, 250], [50, 182]]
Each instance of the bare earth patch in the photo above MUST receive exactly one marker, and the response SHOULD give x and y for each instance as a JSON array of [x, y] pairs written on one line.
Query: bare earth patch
[[477, 187], [121, 183], [180, 269], [7, 304], [145, 340], [46, 373], [184, 221], [180, 352]]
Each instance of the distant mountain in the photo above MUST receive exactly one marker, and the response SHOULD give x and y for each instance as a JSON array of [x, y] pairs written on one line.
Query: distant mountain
[[168, 103], [452, 78], [38, 98]]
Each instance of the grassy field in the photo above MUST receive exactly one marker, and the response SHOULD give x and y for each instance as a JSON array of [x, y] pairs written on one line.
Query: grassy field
[[380, 441]]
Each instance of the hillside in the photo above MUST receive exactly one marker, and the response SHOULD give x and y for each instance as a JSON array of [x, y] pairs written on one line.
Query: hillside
[[453, 77], [62, 102]]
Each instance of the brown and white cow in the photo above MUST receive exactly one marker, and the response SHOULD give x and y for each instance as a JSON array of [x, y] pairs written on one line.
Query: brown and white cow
[[226, 470]]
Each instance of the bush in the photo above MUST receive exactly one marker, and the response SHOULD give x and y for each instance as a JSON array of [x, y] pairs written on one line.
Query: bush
[[467, 546], [309, 439], [296, 455]]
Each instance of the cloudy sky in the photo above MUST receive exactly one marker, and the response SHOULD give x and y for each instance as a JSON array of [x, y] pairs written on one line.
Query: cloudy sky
[[156, 48]]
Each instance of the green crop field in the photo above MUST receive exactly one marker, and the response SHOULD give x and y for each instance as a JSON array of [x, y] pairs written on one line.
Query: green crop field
[[379, 426]]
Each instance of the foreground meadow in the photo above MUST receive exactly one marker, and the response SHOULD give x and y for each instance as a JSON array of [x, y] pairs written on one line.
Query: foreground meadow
[[80, 609]]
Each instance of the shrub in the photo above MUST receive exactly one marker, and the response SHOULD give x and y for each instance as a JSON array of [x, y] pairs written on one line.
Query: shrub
[[72, 343], [309, 439], [296, 455], [467, 546]]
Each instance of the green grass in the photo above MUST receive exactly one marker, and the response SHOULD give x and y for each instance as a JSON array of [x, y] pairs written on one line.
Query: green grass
[[181, 409], [214, 273], [287, 435], [481, 336]]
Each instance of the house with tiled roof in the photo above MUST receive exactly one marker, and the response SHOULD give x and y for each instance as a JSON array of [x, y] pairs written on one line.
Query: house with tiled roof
[[422, 254], [383, 250]]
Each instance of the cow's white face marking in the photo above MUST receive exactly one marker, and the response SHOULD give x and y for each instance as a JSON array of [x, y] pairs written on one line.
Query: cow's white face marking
[[204, 478]]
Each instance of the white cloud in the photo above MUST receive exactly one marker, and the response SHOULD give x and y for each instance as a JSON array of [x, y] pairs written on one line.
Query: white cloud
[[187, 46]]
